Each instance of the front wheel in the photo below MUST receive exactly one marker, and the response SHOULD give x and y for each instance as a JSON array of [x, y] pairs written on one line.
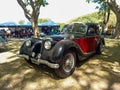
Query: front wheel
[[28, 60], [67, 65]]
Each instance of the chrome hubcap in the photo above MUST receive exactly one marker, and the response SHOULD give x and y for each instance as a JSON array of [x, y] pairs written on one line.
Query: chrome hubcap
[[101, 47], [69, 62]]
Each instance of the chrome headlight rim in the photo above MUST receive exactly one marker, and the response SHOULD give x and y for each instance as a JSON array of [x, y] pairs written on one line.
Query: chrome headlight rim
[[47, 44], [39, 56], [33, 54], [28, 43]]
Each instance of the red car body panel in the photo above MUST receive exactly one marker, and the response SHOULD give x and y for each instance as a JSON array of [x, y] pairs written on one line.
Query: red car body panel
[[87, 44]]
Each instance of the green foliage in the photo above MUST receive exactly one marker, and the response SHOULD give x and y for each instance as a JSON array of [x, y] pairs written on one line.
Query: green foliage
[[42, 2], [61, 25], [95, 1], [102, 5], [21, 22], [37, 2], [42, 20], [96, 17]]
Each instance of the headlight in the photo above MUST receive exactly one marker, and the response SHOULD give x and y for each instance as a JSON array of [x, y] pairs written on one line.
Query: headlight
[[47, 44], [33, 54], [39, 55], [28, 43]]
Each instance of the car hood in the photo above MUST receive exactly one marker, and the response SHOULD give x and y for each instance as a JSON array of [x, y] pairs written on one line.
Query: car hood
[[58, 37], [53, 37]]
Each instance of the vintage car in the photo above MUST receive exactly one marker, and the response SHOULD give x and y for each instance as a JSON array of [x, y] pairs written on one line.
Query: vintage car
[[76, 42]]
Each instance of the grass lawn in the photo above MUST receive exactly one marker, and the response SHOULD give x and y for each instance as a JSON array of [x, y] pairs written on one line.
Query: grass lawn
[[100, 72]]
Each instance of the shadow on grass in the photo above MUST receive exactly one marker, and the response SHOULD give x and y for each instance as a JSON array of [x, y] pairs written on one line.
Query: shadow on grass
[[16, 74], [5, 49], [12, 46], [99, 72]]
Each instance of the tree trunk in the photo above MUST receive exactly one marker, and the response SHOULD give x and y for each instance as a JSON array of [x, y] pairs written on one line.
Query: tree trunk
[[115, 8], [117, 29], [35, 28], [34, 14]]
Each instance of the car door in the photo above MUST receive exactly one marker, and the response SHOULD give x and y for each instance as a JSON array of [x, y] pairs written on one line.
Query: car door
[[91, 40], [87, 40], [79, 31]]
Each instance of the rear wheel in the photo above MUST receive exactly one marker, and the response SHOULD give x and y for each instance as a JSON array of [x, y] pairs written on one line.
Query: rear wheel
[[100, 48], [67, 65]]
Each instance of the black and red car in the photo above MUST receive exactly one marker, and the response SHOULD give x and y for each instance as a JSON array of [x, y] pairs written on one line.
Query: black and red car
[[76, 42]]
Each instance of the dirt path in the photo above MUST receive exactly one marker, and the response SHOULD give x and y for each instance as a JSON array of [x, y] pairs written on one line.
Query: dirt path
[[100, 72]]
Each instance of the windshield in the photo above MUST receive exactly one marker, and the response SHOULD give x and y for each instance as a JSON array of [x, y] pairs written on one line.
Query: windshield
[[75, 28]]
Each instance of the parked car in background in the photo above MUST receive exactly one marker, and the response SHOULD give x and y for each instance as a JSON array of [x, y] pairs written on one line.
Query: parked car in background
[[2, 33], [76, 42], [2, 42]]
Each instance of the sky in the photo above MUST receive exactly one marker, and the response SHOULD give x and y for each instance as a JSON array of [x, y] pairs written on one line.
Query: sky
[[57, 10]]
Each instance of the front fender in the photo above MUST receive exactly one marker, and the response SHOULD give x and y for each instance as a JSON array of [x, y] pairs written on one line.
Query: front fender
[[23, 47], [62, 47]]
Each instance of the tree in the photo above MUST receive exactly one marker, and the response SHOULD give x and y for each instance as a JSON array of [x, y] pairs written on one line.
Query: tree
[[93, 17], [112, 5], [42, 20], [31, 10], [21, 22]]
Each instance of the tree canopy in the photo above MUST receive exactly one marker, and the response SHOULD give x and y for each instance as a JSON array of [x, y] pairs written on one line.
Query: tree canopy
[[21, 22], [95, 17], [42, 20]]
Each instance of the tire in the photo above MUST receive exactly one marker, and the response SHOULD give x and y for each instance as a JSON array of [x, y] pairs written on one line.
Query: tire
[[100, 48], [28, 61], [67, 65]]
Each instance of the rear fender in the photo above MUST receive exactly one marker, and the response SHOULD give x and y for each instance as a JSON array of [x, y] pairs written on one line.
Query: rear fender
[[101, 40]]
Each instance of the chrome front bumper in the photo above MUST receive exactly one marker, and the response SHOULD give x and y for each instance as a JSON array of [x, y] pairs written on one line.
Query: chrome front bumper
[[23, 56], [39, 61]]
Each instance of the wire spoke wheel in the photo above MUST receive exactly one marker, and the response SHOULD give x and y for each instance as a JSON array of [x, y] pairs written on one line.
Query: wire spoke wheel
[[101, 47], [69, 62]]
